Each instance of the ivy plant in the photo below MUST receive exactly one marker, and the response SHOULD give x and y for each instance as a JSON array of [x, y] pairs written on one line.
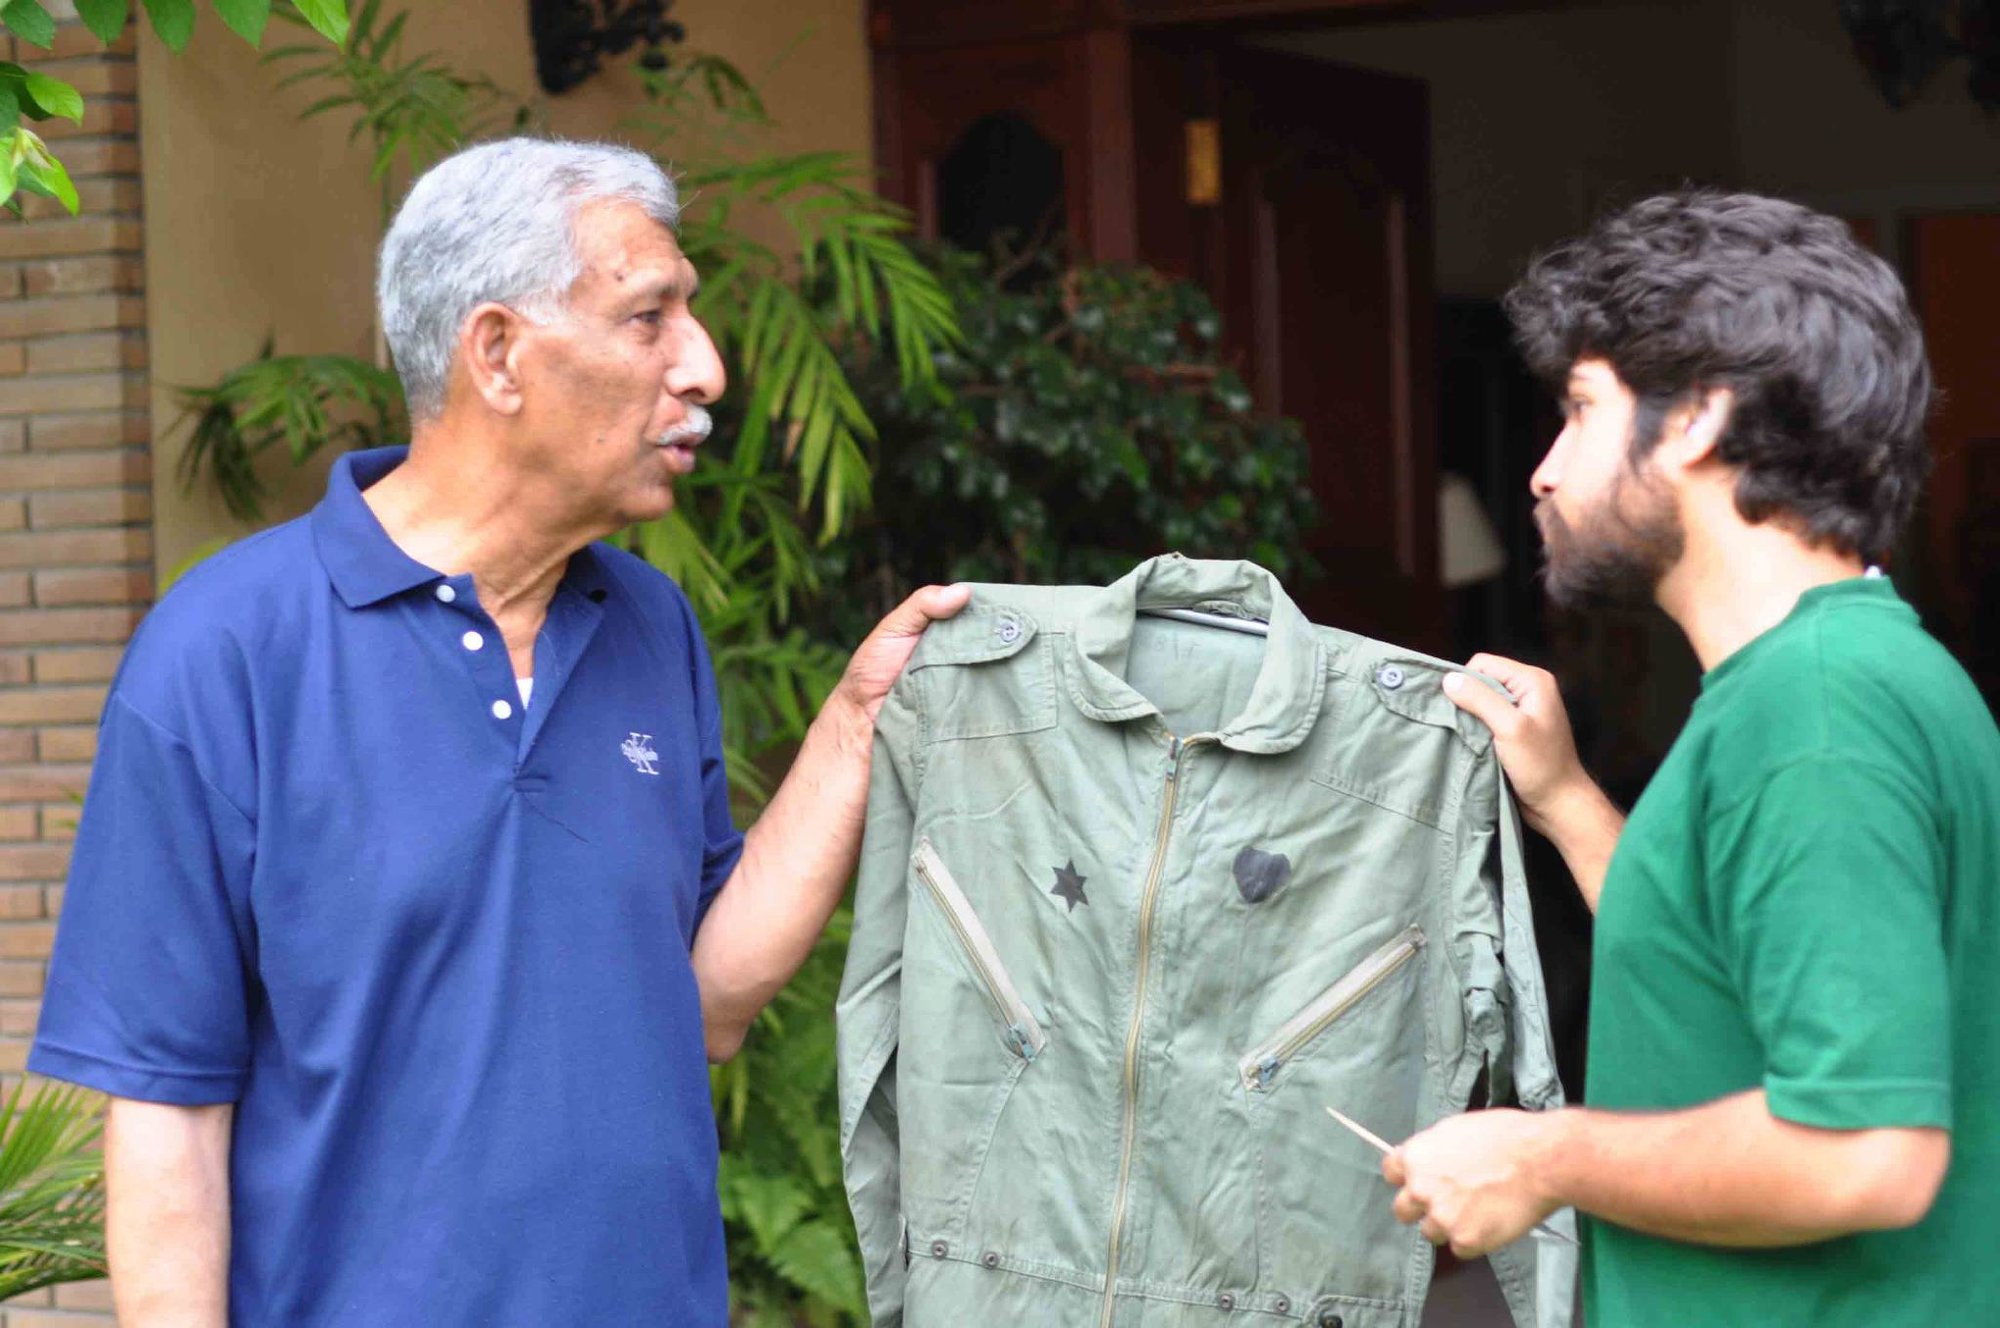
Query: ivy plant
[[1089, 418]]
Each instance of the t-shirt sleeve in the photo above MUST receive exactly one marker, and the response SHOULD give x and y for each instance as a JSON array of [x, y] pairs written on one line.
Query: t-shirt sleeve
[[722, 842], [147, 993], [1830, 882]]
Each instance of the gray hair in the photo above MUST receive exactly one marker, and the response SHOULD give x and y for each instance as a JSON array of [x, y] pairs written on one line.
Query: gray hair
[[495, 222]]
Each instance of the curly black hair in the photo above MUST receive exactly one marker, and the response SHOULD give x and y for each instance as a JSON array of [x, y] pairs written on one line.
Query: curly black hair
[[1698, 289]]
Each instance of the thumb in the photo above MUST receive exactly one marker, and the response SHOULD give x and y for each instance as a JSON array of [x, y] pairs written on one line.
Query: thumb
[[924, 607], [1475, 698]]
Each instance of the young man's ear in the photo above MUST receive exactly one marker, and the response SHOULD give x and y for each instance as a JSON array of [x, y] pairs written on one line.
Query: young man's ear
[[1695, 431]]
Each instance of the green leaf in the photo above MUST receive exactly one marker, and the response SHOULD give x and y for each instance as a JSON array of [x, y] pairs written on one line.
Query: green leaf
[[43, 174], [54, 96], [30, 22], [818, 1259], [105, 18], [328, 17], [173, 20], [771, 1206], [246, 18]]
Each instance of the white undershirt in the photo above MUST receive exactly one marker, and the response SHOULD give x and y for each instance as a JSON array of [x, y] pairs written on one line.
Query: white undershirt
[[526, 685]]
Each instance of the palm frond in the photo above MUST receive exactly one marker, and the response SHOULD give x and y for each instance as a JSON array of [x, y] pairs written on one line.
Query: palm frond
[[302, 402], [51, 1188], [413, 109]]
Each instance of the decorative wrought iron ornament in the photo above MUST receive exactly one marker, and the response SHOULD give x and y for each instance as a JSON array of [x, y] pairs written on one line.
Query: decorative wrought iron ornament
[[1904, 42], [574, 37]]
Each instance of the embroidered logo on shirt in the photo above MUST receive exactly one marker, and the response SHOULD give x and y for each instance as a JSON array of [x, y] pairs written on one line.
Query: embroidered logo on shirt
[[638, 749]]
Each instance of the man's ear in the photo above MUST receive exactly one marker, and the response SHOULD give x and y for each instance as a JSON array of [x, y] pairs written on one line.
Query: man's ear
[[489, 344], [1695, 431]]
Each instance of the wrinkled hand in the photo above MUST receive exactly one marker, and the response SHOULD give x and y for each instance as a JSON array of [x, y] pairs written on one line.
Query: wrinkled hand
[[1475, 1182], [1531, 735], [880, 659]]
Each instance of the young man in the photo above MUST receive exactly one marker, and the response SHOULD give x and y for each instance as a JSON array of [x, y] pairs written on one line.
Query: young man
[[1793, 1098]]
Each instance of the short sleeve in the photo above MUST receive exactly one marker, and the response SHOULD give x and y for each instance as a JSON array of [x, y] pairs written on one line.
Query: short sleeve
[[722, 842], [147, 993], [1829, 884]]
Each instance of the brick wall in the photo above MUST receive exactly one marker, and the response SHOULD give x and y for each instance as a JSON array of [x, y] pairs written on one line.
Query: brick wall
[[76, 566]]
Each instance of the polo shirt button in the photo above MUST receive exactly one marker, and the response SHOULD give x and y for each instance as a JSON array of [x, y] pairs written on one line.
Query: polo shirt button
[[502, 710], [472, 640], [1389, 676], [1008, 631], [445, 593]]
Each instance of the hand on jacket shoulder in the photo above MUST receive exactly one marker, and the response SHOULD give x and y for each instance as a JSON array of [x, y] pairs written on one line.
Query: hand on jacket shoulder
[[1531, 731], [880, 659]]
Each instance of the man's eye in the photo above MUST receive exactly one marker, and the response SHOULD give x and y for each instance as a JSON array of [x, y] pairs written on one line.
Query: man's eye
[[651, 317]]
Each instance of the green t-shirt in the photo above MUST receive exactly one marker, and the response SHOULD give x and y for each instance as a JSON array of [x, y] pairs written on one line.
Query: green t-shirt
[[1807, 900]]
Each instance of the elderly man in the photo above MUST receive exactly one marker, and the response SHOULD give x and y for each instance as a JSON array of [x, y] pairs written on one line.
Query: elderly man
[[1794, 1060], [406, 909]]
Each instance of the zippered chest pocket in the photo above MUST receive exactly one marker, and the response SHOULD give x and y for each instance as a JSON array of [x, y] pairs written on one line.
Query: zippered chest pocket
[[1265, 1064], [1019, 1028]]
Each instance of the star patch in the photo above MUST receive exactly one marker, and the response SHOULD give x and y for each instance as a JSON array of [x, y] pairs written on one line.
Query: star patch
[[1069, 886]]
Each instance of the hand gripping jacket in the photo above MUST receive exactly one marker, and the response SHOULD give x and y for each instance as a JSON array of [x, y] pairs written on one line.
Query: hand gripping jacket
[[1138, 901]]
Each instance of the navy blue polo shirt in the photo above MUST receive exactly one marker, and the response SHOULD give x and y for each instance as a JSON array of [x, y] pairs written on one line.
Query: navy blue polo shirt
[[433, 943]]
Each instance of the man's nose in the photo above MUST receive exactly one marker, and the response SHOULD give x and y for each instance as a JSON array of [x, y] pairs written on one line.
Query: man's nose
[[696, 373], [1549, 473]]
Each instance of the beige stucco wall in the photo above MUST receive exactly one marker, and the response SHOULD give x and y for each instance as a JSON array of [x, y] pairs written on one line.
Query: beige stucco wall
[[260, 225], [1809, 124], [1541, 118]]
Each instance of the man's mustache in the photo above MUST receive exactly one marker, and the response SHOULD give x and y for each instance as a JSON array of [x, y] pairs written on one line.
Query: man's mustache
[[693, 429]]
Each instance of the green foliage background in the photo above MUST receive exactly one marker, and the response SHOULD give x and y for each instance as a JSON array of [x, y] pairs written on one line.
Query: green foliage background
[[1088, 419]]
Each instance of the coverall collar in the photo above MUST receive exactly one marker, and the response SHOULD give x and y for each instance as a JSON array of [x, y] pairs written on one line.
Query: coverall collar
[[1285, 700]]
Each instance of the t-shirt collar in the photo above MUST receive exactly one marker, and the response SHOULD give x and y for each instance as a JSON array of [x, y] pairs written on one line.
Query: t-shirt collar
[[1872, 587], [367, 567]]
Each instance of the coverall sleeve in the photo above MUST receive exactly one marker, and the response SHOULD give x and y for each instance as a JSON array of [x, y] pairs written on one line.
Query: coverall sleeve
[[1507, 1015], [869, 1011]]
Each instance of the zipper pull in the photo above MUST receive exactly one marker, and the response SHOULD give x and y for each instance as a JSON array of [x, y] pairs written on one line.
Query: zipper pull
[[1173, 757], [1018, 1043]]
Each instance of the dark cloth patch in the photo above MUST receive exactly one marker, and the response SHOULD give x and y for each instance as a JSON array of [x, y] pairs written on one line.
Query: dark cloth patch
[[1259, 875], [1069, 886]]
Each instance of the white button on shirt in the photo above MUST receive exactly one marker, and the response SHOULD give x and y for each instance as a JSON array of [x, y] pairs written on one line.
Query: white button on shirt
[[503, 710], [472, 640], [445, 593]]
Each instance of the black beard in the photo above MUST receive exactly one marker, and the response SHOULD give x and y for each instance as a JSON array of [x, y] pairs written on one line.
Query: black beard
[[1617, 555]]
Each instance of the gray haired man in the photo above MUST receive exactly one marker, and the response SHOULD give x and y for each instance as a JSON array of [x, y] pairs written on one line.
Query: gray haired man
[[406, 908]]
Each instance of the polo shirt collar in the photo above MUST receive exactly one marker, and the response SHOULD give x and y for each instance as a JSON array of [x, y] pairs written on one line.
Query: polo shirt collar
[[367, 567], [1284, 702]]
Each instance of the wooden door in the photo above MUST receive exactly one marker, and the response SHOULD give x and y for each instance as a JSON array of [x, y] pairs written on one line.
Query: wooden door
[[1954, 266], [1318, 250]]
